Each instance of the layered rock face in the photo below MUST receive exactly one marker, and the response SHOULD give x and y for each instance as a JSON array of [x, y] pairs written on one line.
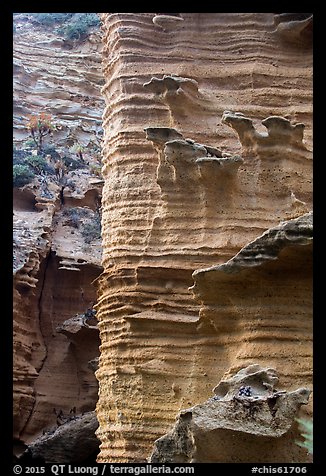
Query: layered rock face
[[56, 337], [53, 340], [59, 77], [208, 134]]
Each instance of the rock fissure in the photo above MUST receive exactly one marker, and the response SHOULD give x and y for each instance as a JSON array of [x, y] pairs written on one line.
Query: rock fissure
[[39, 320], [56, 225], [40, 306]]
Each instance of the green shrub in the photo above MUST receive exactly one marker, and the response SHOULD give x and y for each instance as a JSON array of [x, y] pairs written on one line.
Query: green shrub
[[96, 169], [47, 19], [87, 19], [50, 150], [79, 26], [77, 149], [39, 164], [306, 429], [29, 144], [91, 229], [73, 31], [19, 156], [22, 174]]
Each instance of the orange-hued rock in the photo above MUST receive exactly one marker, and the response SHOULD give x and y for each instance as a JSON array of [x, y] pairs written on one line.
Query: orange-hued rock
[[182, 193], [259, 303]]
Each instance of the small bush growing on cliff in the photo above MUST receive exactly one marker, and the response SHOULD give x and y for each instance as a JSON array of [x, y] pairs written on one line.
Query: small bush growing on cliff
[[306, 428], [50, 150], [79, 26], [40, 126], [77, 149], [91, 229], [47, 19], [39, 164], [22, 174], [96, 170], [29, 144], [88, 19], [19, 156]]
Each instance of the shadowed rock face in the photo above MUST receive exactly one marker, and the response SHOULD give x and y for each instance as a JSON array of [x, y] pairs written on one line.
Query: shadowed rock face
[[199, 185], [246, 413], [72, 442], [295, 28], [53, 265]]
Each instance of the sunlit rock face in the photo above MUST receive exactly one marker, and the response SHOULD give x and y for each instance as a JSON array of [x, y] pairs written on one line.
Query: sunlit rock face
[[207, 145]]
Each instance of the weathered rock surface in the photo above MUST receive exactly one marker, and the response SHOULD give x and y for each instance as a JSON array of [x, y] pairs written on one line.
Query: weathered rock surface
[[247, 421], [59, 77], [259, 303], [55, 263], [189, 196], [295, 28], [72, 442], [53, 273]]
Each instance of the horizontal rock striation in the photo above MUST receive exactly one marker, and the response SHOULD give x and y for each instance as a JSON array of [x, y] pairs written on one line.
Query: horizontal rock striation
[[59, 77], [259, 303], [182, 193]]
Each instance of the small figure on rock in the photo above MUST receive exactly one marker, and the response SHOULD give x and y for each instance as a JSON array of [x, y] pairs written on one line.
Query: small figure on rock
[[245, 391], [90, 313]]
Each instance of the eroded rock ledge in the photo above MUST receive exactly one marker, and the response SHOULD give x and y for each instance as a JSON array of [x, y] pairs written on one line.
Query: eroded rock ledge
[[72, 442], [244, 421], [260, 302], [266, 247], [183, 160]]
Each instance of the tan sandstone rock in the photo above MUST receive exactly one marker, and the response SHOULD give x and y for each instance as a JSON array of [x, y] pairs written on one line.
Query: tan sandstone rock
[[181, 193], [246, 421]]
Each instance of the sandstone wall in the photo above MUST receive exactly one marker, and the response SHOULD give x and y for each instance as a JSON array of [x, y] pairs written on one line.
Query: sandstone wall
[[58, 77], [53, 265], [189, 182], [171, 206]]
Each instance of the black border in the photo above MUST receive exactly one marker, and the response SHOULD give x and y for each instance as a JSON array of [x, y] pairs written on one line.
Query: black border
[[6, 190]]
